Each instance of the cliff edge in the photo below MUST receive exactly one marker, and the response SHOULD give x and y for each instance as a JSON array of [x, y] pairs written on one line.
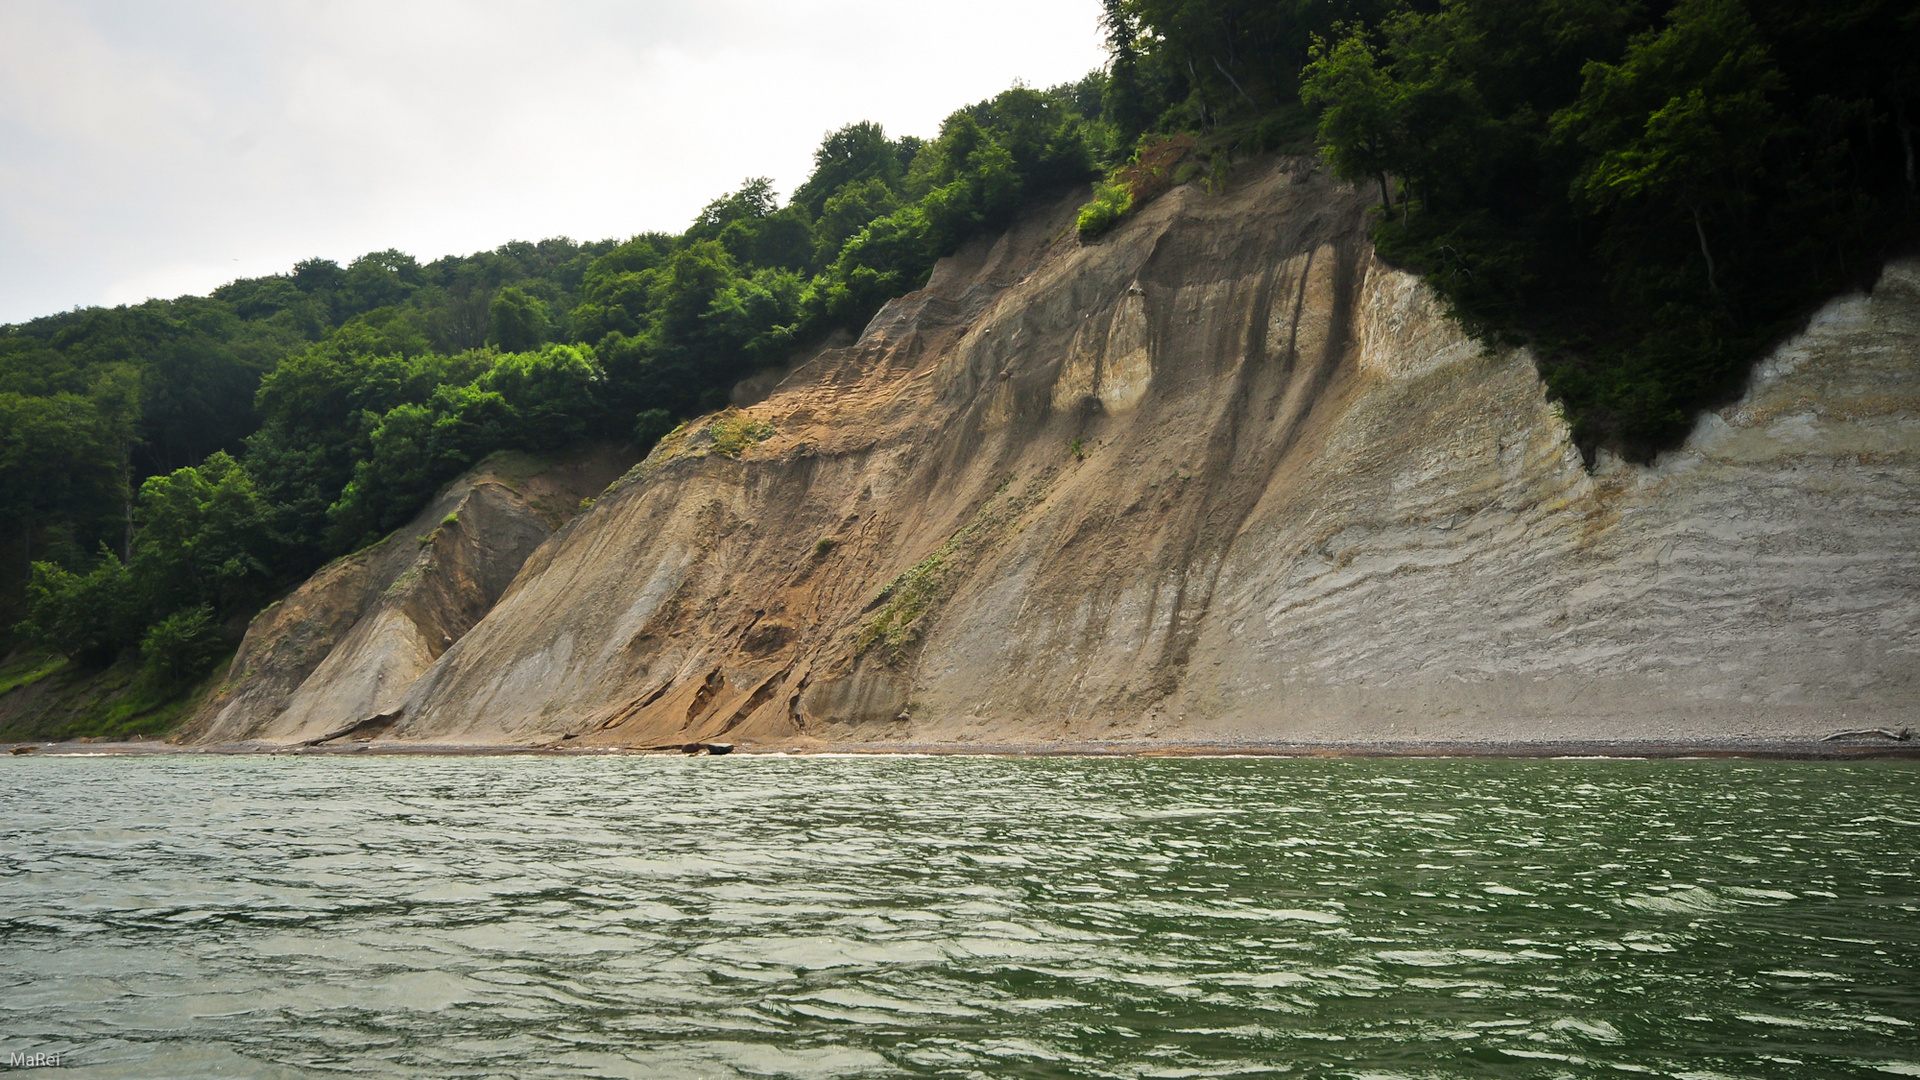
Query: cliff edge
[[1221, 477]]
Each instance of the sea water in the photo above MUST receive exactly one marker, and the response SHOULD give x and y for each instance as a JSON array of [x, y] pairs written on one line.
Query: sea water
[[737, 916]]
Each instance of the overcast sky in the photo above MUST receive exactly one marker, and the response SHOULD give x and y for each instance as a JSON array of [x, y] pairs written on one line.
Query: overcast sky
[[161, 148]]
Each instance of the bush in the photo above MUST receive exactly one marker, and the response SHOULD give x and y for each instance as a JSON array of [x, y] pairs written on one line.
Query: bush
[[180, 648], [88, 618], [1110, 203]]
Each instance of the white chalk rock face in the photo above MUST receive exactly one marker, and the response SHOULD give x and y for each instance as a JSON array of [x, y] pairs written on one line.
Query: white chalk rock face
[[1220, 477], [1444, 568]]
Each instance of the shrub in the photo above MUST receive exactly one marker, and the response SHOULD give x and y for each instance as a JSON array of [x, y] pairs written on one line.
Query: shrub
[[1110, 203], [650, 427], [180, 648], [88, 618]]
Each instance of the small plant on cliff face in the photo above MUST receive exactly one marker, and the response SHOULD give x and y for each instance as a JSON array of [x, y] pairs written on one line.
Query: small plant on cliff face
[[450, 521], [1160, 162], [734, 431], [1078, 448], [908, 601], [907, 597], [824, 547], [1110, 203]]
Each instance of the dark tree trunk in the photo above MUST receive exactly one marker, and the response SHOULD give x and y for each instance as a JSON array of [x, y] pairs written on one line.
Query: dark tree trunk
[[1234, 81]]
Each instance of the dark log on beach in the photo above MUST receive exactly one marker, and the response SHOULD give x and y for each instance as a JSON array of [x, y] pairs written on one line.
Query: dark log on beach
[[1902, 735], [364, 730], [707, 748]]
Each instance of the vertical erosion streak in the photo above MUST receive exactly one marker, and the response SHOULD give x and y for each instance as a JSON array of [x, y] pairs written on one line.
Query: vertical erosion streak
[[1265, 413]]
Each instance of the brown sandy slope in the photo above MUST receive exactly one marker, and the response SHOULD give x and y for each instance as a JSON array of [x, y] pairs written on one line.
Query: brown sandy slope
[[1219, 478]]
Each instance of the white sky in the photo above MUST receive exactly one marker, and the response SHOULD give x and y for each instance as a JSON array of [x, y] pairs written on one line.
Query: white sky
[[162, 148]]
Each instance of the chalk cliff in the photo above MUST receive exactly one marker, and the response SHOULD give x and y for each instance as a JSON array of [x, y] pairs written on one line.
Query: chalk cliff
[[1220, 477]]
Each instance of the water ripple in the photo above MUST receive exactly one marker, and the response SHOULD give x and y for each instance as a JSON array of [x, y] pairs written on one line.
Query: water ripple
[[959, 917]]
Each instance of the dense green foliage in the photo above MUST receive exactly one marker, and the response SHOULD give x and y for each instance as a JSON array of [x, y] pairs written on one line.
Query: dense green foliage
[[166, 468], [1194, 84], [1649, 193]]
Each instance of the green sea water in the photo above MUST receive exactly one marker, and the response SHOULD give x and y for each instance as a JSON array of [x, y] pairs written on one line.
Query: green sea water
[[959, 917]]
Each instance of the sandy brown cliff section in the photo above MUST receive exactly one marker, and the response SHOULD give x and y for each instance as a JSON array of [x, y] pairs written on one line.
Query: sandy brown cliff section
[[1221, 477]]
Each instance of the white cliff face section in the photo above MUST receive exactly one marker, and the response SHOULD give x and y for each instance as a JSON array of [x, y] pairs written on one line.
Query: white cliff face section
[[1445, 568], [1437, 564], [1220, 477]]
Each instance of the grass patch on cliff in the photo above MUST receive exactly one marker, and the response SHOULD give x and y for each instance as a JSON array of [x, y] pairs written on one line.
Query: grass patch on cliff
[[734, 431], [121, 701], [906, 603], [29, 669], [907, 598]]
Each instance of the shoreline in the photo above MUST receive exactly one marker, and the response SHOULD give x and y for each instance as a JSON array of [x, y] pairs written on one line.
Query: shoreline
[[1757, 749]]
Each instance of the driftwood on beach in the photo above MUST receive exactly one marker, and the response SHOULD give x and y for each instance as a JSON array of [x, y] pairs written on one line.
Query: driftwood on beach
[[1902, 735], [366, 730]]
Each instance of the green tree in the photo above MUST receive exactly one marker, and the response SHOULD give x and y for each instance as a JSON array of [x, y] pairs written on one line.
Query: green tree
[[180, 648], [783, 239], [202, 539], [63, 464], [88, 618], [516, 322], [855, 154], [753, 202], [379, 279], [848, 211], [1682, 122], [1359, 107]]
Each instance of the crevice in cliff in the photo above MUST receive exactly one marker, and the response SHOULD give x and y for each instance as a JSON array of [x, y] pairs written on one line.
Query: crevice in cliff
[[710, 686]]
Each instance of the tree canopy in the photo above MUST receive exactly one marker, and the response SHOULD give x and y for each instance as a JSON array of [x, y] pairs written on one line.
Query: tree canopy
[[1648, 194]]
